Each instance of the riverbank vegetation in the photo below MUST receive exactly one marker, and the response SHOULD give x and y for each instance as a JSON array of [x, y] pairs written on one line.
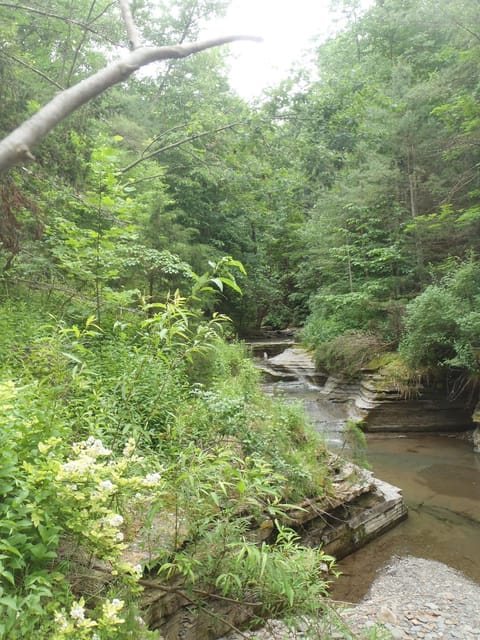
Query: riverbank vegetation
[[347, 203], [143, 453]]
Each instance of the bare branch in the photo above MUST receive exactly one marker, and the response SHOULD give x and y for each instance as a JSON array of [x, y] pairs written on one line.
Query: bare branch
[[80, 45], [16, 147], [132, 31], [178, 143], [162, 135], [56, 16], [10, 56], [103, 11]]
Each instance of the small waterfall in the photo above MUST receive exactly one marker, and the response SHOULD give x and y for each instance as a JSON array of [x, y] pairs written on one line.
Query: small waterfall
[[292, 375]]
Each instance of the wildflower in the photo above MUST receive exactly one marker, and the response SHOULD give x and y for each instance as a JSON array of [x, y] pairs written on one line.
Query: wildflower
[[114, 520], [129, 448], [79, 466], [61, 621], [95, 447], [77, 611], [106, 486], [152, 479], [119, 536], [110, 610]]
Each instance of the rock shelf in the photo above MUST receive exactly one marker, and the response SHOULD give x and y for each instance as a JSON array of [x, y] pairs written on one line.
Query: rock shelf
[[358, 508]]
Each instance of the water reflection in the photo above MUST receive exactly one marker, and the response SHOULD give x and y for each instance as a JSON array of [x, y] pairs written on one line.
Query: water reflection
[[440, 479]]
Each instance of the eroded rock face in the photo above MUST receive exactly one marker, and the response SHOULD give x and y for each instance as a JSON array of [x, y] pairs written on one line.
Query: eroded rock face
[[364, 507], [383, 408], [294, 363]]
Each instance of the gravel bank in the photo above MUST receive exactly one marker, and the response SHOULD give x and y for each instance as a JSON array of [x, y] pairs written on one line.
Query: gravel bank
[[412, 599], [415, 598]]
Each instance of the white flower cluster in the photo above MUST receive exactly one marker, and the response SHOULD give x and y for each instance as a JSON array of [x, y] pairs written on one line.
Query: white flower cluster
[[94, 447], [151, 480], [129, 448], [77, 612], [70, 626], [87, 451], [114, 520], [106, 486]]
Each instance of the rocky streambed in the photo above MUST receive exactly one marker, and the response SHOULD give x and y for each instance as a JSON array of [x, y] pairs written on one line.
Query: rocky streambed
[[412, 599], [418, 598]]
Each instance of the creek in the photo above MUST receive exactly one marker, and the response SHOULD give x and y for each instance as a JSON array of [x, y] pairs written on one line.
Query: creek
[[440, 479]]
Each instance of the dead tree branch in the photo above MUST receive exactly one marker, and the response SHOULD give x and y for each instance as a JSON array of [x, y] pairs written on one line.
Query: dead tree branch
[[177, 143], [17, 147], [132, 31]]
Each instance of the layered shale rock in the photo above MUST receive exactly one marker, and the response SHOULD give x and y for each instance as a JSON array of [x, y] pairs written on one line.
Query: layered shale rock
[[383, 407], [292, 364]]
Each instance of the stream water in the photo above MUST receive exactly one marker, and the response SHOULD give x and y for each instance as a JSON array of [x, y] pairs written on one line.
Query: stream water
[[440, 479]]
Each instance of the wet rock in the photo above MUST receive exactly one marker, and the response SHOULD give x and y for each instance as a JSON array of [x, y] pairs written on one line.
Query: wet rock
[[294, 363]]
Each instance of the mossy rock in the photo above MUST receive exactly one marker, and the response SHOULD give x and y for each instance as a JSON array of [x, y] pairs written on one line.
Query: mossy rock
[[391, 372]]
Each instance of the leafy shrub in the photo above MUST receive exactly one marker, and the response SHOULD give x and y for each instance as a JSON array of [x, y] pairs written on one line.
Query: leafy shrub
[[430, 328], [105, 441], [332, 315], [442, 325]]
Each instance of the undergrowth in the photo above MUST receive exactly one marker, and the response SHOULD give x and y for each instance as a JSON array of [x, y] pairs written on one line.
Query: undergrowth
[[140, 450]]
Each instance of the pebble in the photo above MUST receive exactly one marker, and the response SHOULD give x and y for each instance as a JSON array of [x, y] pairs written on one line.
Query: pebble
[[412, 599]]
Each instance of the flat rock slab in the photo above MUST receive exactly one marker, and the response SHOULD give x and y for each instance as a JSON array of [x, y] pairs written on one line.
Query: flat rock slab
[[293, 363]]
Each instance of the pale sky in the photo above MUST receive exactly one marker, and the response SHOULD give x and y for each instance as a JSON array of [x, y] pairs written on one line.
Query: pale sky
[[287, 27]]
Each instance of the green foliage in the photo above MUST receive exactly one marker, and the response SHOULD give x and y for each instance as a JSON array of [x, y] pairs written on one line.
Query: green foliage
[[106, 447], [442, 326], [388, 153], [355, 442], [334, 315], [28, 541], [344, 195]]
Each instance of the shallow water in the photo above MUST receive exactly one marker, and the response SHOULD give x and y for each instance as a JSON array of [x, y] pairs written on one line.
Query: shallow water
[[440, 479]]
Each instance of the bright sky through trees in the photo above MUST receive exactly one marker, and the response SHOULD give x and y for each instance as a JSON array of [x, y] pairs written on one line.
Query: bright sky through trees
[[287, 28]]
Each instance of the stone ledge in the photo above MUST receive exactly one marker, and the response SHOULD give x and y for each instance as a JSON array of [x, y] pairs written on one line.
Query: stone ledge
[[359, 509]]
